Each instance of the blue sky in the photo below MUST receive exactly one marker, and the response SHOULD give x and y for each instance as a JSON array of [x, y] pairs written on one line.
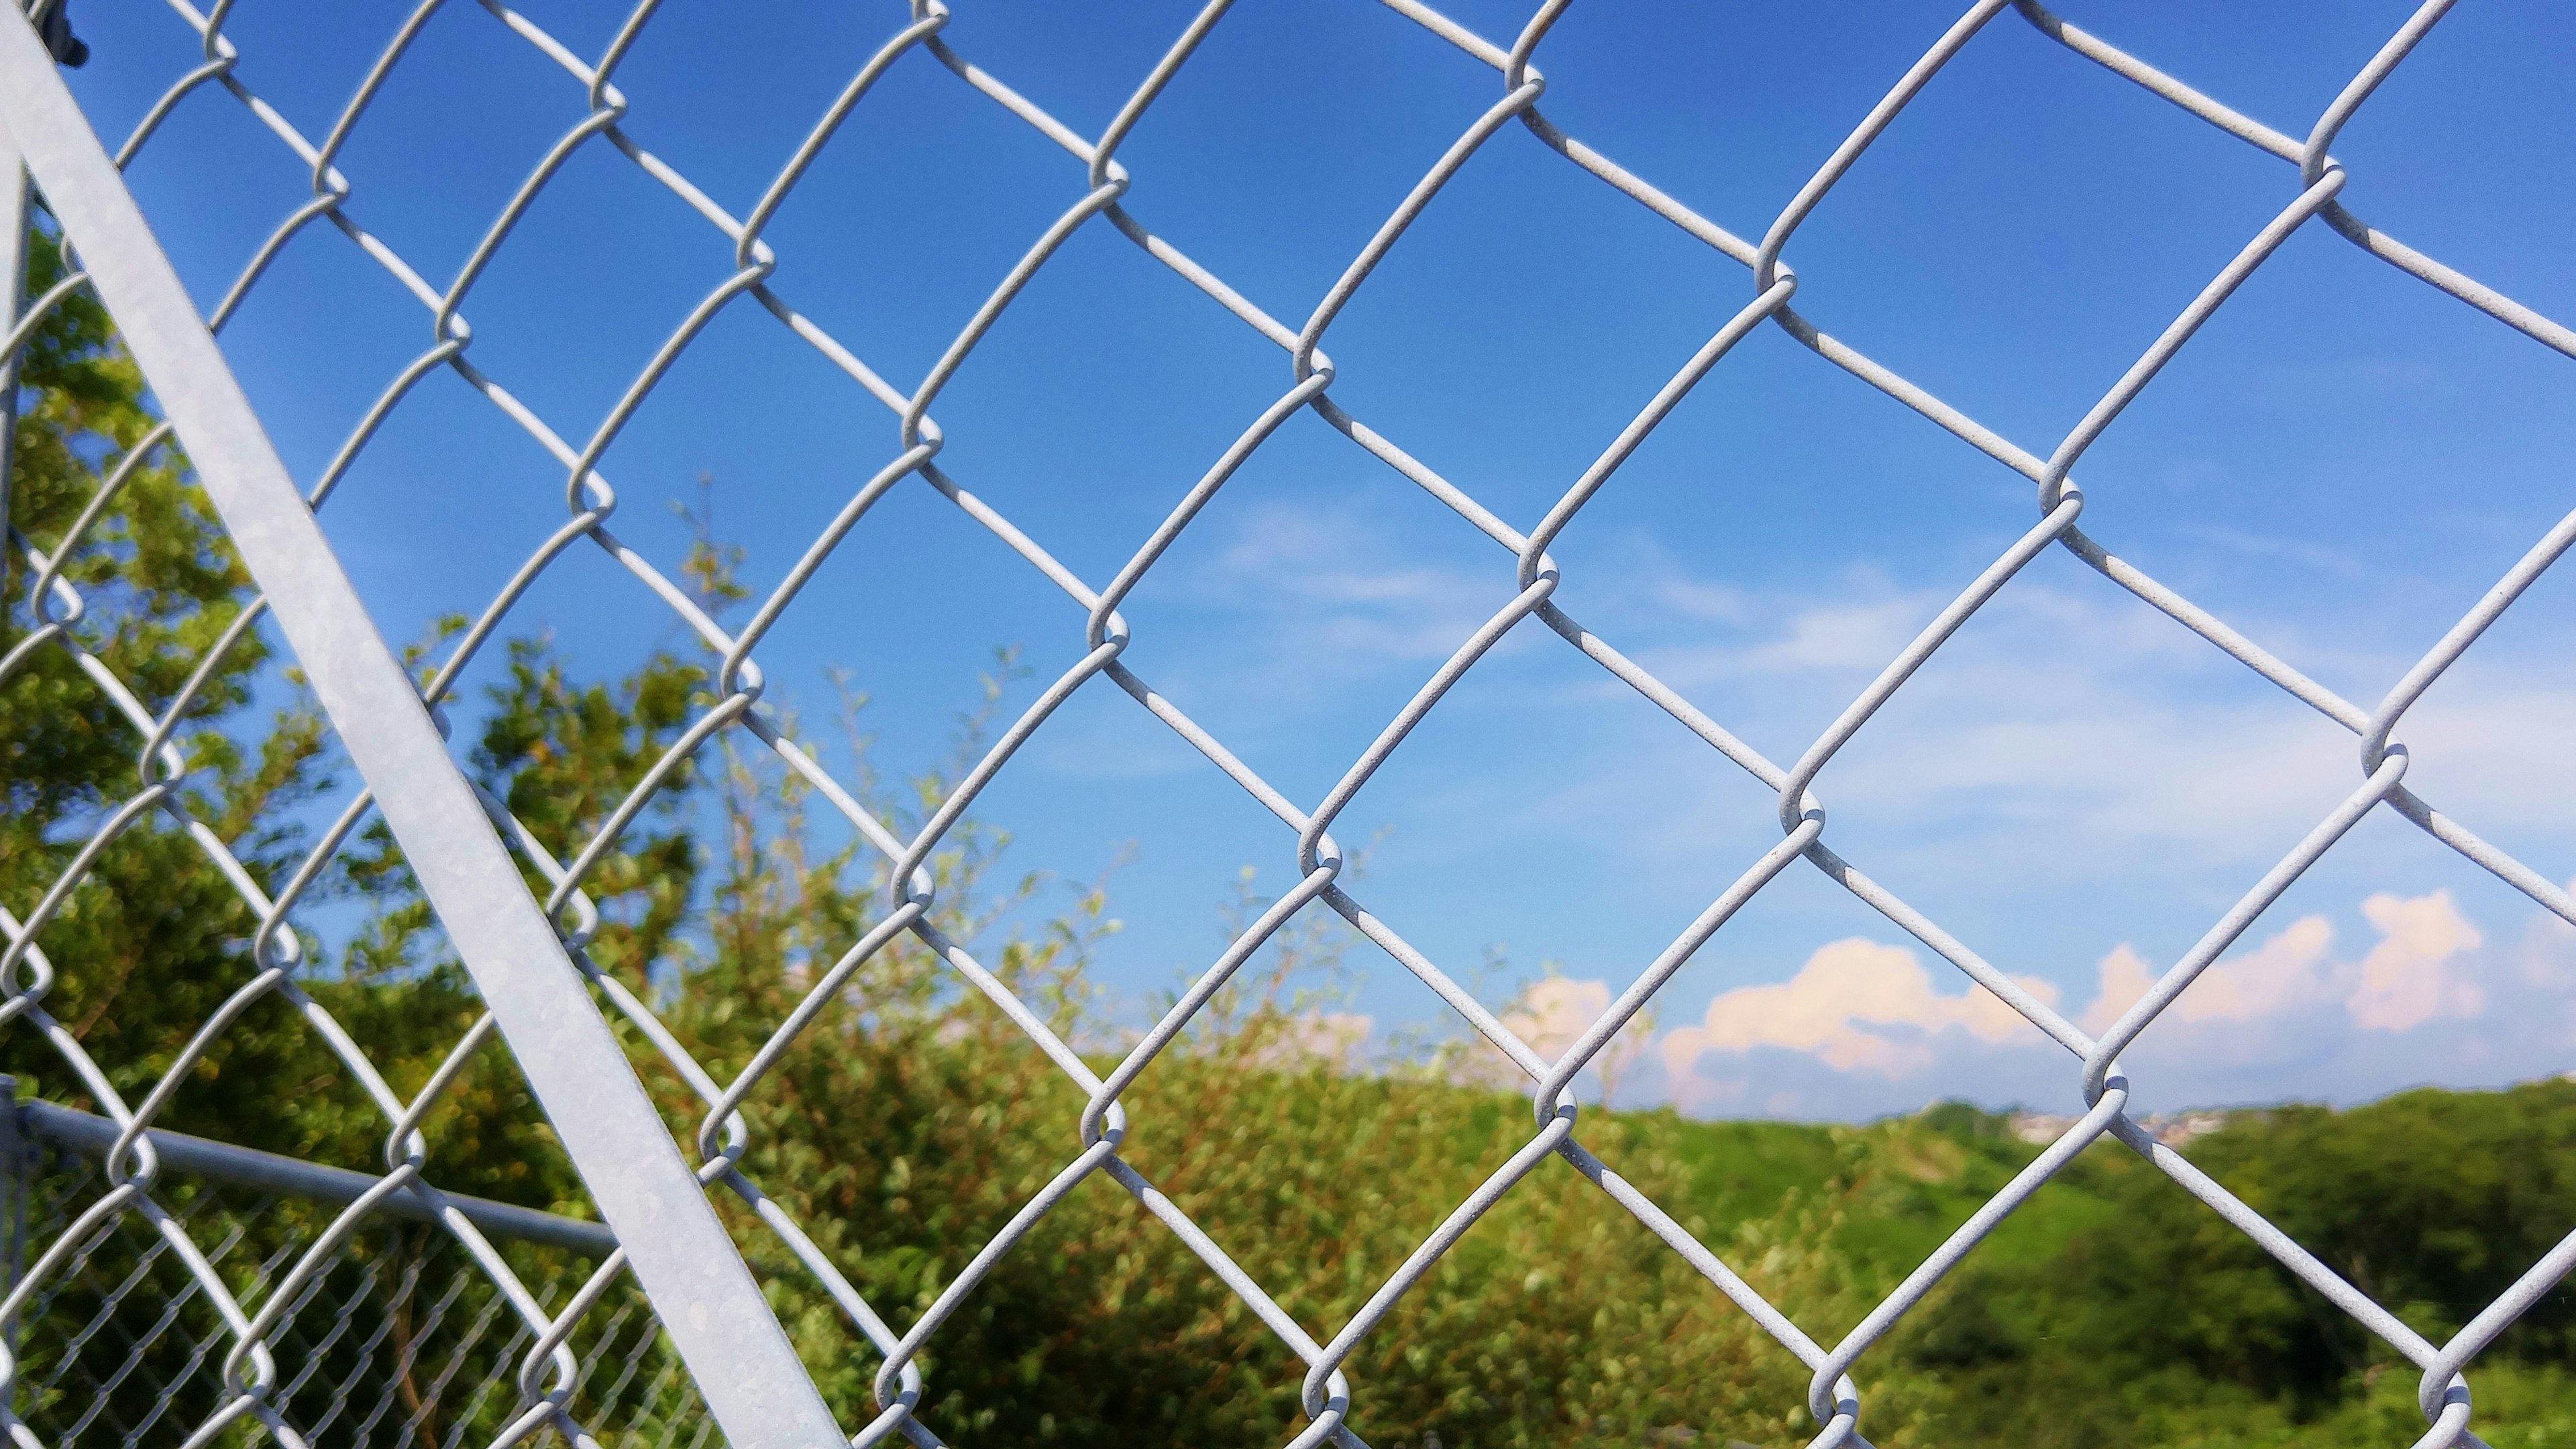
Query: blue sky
[[2340, 464]]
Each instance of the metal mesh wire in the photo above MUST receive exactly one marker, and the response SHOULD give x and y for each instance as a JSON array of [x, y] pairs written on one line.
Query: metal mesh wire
[[272, 1375], [398, 1340]]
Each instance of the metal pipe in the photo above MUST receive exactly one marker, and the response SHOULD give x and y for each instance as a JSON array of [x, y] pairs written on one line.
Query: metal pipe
[[90, 1134]]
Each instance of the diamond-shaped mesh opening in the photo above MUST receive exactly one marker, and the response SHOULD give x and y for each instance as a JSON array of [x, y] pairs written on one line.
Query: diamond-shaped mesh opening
[[398, 1339], [142, 1284]]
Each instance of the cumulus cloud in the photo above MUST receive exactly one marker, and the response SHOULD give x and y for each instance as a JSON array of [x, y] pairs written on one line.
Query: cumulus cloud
[[1336, 1038], [1837, 1009], [1555, 1011], [2414, 975], [1552, 1014], [1863, 1021], [2286, 970], [1334, 1035]]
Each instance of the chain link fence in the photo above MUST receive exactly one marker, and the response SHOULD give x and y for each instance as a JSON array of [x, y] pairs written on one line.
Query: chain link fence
[[154, 1302], [397, 1338]]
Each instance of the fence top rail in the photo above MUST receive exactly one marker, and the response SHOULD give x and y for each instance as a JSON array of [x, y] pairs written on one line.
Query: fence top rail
[[92, 1135]]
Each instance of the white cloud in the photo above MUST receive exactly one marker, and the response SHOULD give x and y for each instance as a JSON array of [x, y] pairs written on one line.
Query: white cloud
[[2069, 732], [1278, 626], [1860, 636], [1338, 1039], [1829, 1009], [2413, 975], [1551, 1015], [1347, 591], [2073, 767], [1555, 1011], [2125, 977], [1873, 1026], [2287, 970], [1336, 1036], [1698, 599]]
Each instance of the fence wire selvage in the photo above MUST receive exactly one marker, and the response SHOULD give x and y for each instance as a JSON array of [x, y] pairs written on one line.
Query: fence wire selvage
[[1106, 638]]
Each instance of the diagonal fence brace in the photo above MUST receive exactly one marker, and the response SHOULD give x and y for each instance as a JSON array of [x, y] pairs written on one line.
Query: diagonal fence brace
[[705, 1295]]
